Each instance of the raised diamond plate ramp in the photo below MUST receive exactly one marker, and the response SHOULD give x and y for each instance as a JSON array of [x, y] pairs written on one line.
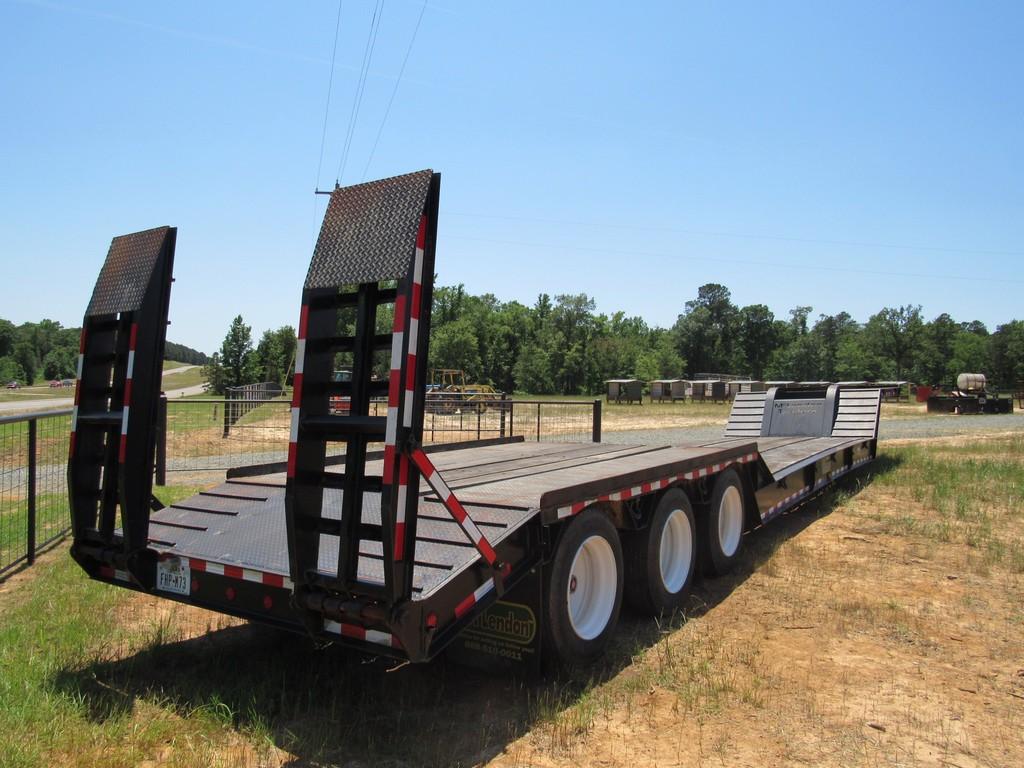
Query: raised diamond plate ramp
[[125, 276], [369, 231]]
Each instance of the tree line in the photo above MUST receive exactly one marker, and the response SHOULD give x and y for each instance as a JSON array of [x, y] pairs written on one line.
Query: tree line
[[46, 350], [561, 345]]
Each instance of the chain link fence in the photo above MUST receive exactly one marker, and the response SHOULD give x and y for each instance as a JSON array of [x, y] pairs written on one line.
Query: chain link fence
[[33, 485], [200, 437]]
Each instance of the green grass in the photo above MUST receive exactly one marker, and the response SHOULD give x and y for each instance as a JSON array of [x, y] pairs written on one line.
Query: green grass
[[35, 392], [52, 517], [975, 494], [55, 625], [189, 378], [170, 365]]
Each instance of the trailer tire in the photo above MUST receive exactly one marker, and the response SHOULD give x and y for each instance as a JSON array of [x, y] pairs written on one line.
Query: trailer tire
[[660, 558], [583, 592], [725, 522]]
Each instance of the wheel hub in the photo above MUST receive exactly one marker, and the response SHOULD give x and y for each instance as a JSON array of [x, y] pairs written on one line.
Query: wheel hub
[[592, 587]]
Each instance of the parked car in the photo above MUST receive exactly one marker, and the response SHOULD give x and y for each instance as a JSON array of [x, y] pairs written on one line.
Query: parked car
[[13, 385], [55, 383], [67, 382]]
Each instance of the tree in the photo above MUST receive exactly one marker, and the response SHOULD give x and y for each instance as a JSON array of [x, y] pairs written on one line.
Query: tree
[[894, 335], [757, 339], [533, 370], [454, 345], [236, 354], [215, 374], [830, 331], [25, 356], [970, 355], [933, 360], [659, 360], [706, 333], [59, 363], [272, 360], [1007, 354], [10, 370], [8, 335]]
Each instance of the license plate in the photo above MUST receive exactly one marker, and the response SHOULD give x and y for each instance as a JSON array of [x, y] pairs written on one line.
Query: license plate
[[173, 576]]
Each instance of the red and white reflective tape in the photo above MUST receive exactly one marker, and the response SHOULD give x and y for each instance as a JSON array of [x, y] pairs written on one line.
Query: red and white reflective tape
[[132, 338], [78, 392], [239, 573], [356, 632], [300, 362], [394, 389], [109, 572], [793, 498], [655, 485], [476, 597], [401, 499], [414, 322], [391, 429], [454, 506]]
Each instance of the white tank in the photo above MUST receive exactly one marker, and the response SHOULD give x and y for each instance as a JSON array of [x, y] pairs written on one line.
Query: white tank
[[971, 382]]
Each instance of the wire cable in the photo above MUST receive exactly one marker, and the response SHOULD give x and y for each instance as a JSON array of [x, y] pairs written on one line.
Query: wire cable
[[371, 41], [327, 112], [394, 91], [330, 86]]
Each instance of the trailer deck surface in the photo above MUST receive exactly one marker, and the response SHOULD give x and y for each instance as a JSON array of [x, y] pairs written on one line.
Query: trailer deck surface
[[785, 455], [241, 522]]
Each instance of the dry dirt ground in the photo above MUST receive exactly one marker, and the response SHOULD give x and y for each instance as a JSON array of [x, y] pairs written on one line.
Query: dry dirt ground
[[846, 646], [838, 643]]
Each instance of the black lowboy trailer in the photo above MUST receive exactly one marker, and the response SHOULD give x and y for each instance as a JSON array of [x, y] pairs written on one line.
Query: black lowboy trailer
[[404, 550]]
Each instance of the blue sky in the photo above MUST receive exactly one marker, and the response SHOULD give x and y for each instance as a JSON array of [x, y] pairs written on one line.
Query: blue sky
[[846, 156]]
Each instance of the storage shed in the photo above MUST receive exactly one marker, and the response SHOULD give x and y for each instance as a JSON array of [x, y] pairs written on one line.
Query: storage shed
[[625, 390], [667, 389]]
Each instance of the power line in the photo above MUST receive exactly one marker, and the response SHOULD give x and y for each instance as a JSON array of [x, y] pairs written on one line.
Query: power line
[[739, 235], [371, 40], [327, 111], [394, 91], [751, 262], [330, 86]]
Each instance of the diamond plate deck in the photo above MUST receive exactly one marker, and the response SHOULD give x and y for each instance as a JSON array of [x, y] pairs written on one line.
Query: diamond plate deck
[[242, 522], [126, 273], [369, 231]]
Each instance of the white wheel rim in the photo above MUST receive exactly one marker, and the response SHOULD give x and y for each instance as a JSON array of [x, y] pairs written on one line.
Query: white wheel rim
[[730, 521], [590, 593], [676, 551]]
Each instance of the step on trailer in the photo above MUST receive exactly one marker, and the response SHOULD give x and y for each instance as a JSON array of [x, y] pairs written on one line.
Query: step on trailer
[[497, 548]]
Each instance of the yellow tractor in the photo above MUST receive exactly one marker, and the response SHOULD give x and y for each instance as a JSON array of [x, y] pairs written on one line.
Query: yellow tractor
[[448, 392]]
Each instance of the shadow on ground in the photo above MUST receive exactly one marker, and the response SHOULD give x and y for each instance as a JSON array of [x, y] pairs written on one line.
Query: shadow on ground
[[332, 707]]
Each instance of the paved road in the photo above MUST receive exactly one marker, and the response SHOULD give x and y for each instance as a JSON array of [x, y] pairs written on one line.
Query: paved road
[[182, 369], [57, 403], [197, 389]]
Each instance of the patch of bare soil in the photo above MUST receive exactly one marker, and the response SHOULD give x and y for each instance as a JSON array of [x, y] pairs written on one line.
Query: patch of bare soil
[[846, 646]]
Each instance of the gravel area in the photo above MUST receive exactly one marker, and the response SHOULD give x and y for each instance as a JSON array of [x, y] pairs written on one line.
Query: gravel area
[[890, 429]]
